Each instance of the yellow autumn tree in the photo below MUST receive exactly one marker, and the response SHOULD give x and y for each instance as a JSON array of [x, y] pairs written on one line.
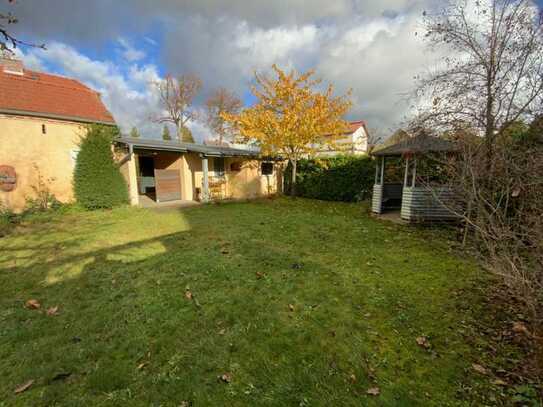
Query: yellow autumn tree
[[292, 118]]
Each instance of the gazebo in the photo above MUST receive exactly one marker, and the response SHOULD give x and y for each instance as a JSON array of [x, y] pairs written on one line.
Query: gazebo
[[418, 201]]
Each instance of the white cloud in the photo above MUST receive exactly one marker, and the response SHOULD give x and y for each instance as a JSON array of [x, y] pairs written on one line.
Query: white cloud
[[130, 96], [367, 45], [128, 52]]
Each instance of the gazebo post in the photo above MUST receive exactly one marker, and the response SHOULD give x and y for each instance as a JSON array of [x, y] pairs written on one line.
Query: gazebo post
[[383, 171], [406, 172], [414, 171]]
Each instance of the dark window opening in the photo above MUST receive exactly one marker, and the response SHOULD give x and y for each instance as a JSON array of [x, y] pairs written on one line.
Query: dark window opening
[[235, 166], [266, 168], [218, 166], [147, 166], [43, 129]]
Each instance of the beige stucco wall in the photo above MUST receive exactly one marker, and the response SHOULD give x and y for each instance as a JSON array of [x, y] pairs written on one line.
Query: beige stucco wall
[[50, 156], [246, 183]]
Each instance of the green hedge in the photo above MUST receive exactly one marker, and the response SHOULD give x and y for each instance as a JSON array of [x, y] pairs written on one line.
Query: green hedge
[[98, 182], [345, 178]]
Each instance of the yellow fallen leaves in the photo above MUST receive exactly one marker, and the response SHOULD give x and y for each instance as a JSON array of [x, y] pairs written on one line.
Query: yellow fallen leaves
[[24, 387], [32, 304]]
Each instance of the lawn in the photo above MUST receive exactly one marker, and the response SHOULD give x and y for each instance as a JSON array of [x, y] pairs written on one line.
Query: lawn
[[275, 302]]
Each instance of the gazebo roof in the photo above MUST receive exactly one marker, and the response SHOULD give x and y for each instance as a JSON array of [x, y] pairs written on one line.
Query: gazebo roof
[[420, 144]]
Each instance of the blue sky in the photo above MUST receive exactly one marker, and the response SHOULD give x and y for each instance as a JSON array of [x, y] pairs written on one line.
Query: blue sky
[[121, 48]]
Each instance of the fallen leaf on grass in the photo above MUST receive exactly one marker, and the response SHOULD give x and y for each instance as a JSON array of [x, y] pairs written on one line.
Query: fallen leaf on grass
[[259, 275], [142, 365], [52, 310], [226, 377], [23, 387], [374, 391], [423, 341], [32, 304], [291, 307], [478, 368], [352, 378], [188, 295], [222, 331], [520, 328], [499, 382]]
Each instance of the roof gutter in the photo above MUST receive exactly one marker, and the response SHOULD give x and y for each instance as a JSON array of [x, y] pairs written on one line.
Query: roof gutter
[[77, 119]]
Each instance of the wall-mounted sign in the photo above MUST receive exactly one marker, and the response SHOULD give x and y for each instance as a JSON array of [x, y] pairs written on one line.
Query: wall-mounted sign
[[8, 178]]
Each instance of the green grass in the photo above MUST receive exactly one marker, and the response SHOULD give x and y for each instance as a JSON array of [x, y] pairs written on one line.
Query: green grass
[[361, 292]]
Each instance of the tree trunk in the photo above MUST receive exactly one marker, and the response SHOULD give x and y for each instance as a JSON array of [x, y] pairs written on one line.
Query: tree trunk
[[293, 183]]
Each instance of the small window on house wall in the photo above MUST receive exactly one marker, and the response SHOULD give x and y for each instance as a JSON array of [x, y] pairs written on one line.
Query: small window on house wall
[[266, 168], [43, 129], [235, 166]]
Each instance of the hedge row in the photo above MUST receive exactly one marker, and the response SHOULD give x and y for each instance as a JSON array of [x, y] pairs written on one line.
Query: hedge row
[[345, 178]]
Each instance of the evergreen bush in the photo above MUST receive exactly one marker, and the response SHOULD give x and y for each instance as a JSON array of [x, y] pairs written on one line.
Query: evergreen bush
[[347, 178], [98, 182]]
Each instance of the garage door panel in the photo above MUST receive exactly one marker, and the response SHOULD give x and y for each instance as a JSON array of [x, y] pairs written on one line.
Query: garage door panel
[[168, 185]]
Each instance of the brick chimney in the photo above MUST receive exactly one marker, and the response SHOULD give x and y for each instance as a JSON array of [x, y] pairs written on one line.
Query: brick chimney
[[11, 65]]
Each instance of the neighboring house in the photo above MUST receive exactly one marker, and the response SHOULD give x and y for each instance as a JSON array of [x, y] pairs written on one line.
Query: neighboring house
[[354, 141], [42, 117], [160, 171]]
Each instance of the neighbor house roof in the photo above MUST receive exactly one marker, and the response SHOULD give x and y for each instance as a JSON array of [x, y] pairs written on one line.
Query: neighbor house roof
[[50, 96], [172, 145], [418, 145], [354, 126]]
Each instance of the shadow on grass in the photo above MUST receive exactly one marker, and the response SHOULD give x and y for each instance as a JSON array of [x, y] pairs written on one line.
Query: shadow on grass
[[292, 314]]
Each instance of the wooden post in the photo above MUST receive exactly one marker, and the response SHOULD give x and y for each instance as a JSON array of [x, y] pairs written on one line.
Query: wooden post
[[406, 171], [205, 180], [383, 171], [132, 176], [414, 171]]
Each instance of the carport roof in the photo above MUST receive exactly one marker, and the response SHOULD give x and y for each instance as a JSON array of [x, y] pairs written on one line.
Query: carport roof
[[176, 146]]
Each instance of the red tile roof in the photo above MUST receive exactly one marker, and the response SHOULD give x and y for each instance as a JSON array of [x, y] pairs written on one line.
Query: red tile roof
[[354, 126], [52, 96]]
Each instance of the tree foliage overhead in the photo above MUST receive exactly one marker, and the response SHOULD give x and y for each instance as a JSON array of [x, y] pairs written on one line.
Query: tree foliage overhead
[[491, 74], [98, 182], [291, 117], [177, 96], [222, 101], [134, 133], [166, 133], [8, 41]]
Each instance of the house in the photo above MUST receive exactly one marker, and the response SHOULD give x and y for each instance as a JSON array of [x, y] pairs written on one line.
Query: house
[[42, 117], [160, 171], [354, 141]]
